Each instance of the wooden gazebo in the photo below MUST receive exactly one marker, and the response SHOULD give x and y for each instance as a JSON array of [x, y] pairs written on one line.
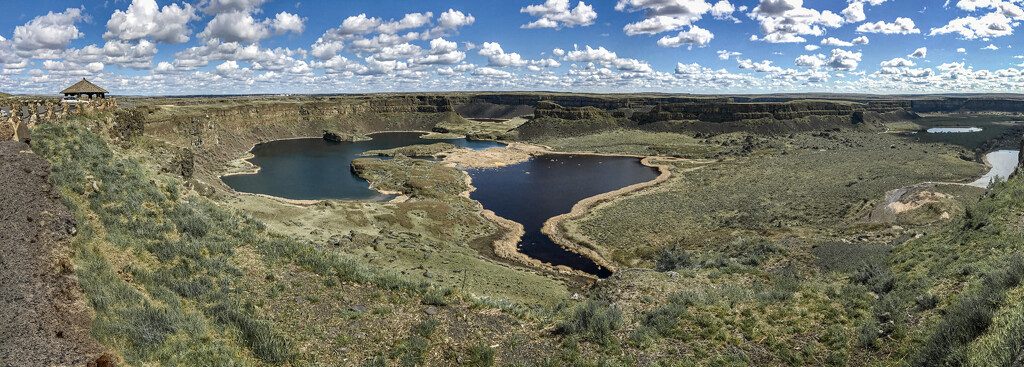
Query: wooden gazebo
[[85, 88]]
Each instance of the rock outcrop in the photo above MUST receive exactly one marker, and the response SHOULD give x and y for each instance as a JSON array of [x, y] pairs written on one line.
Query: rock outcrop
[[1020, 160], [7, 130], [22, 134], [338, 136], [553, 120], [547, 109], [182, 164], [128, 125]]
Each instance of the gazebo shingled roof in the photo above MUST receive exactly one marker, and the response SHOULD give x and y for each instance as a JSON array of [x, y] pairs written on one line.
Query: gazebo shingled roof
[[84, 87]]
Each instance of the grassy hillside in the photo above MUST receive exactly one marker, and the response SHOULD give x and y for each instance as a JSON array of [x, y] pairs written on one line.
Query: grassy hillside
[[771, 266], [810, 185], [179, 280], [974, 270]]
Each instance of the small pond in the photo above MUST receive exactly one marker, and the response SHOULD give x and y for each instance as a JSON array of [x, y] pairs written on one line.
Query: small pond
[[316, 169], [947, 130], [1003, 162]]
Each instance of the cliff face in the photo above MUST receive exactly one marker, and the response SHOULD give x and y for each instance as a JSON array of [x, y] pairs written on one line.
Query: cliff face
[[968, 105], [547, 109], [508, 105], [551, 119], [732, 112]]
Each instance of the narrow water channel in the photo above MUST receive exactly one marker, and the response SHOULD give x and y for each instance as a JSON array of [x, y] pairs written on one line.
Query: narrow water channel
[[1003, 162]]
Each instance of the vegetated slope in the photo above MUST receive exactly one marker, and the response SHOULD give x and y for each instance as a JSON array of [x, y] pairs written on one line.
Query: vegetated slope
[[810, 184], [972, 272], [43, 319], [950, 297], [175, 279]]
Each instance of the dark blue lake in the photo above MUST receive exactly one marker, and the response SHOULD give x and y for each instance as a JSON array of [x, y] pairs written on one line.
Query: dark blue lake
[[528, 193], [316, 169], [547, 186]]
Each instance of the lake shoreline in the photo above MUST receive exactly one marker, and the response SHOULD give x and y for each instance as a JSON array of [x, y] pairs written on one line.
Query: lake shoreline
[[507, 245]]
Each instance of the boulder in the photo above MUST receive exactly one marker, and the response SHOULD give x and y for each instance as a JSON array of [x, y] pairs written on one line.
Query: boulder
[[22, 134], [340, 137], [6, 130]]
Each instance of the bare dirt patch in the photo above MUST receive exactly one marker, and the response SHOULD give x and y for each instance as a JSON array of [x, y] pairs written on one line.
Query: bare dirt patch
[[44, 319], [487, 158]]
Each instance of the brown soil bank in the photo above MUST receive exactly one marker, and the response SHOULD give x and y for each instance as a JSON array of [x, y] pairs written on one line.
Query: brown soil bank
[[44, 320]]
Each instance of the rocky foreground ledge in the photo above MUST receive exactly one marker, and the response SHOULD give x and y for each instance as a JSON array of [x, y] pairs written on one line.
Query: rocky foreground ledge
[[44, 320]]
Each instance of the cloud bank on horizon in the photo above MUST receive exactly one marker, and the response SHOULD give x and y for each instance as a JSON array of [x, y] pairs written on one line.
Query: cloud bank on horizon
[[150, 47]]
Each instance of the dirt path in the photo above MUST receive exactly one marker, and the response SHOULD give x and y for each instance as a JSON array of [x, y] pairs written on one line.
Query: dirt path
[[44, 319]]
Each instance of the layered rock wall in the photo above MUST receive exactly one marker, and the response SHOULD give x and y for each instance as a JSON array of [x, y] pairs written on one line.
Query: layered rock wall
[[732, 112], [981, 104]]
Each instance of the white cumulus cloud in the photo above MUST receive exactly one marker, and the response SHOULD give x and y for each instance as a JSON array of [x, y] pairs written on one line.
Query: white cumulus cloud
[[144, 18], [230, 6], [662, 15], [787, 21], [844, 60], [46, 36], [900, 26], [557, 14], [243, 27], [990, 25], [898, 62], [811, 61], [694, 36], [497, 57]]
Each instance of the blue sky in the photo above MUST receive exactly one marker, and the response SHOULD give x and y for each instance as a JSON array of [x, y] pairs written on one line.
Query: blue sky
[[159, 47]]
